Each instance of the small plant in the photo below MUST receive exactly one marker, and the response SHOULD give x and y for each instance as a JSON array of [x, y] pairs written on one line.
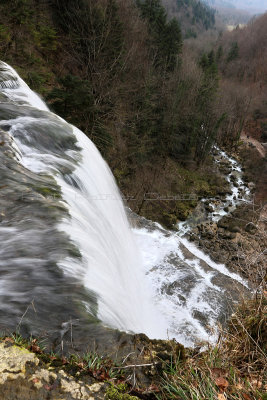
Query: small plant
[[119, 392], [18, 339]]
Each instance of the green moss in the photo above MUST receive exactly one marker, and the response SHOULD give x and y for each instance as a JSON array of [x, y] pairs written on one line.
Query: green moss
[[182, 210], [5, 35], [119, 392], [169, 220], [46, 191]]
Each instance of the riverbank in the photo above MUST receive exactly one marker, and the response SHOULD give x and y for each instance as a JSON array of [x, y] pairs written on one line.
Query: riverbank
[[238, 239]]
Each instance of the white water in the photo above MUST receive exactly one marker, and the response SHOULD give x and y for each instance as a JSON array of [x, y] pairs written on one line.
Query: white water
[[183, 284], [111, 265], [239, 194], [139, 277]]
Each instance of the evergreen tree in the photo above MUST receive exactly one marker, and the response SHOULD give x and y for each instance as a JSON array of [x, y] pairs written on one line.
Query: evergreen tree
[[167, 36], [233, 52]]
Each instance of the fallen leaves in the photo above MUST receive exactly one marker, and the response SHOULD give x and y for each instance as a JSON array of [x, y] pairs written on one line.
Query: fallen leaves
[[9, 340], [222, 383], [246, 396], [218, 372]]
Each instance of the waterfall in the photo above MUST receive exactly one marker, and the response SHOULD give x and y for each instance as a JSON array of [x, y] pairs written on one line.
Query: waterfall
[[110, 265], [66, 244]]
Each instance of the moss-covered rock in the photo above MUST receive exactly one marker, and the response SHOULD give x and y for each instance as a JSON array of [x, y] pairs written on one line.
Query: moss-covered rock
[[24, 376]]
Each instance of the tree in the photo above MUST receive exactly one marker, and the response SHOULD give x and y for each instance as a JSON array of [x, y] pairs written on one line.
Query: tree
[[74, 101], [167, 36], [233, 52]]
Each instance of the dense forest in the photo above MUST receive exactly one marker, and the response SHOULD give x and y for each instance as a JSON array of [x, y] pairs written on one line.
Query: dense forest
[[123, 72], [193, 15]]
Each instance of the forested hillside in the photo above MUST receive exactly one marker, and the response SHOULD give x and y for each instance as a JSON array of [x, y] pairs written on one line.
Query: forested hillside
[[194, 15], [242, 60], [118, 70]]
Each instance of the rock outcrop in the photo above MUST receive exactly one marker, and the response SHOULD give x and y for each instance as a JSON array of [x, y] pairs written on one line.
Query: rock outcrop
[[238, 240], [34, 375], [23, 376]]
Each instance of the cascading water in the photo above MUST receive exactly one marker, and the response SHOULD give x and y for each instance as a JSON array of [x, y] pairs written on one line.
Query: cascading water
[[110, 265], [67, 247]]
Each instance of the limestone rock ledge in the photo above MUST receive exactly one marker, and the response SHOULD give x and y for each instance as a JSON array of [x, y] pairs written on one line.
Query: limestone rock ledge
[[24, 377]]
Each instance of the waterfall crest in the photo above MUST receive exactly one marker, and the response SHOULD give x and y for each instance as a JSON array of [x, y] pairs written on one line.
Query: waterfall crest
[[110, 265]]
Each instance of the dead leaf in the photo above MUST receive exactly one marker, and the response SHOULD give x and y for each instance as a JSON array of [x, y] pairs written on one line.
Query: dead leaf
[[246, 396], [64, 361], [153, 388], [256, 383], [35, 349], [221, 396], [239, 386], [222, 383], [8, 340]]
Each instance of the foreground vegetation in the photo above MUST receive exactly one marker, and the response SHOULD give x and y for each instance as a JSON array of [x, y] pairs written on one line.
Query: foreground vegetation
[[235, 368]]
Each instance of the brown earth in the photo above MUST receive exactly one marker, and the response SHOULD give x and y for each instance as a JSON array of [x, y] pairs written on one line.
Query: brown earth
[[250, 141]]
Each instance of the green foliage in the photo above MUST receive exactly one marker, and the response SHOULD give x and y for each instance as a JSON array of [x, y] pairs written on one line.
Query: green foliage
[[74, 101], [73, 98], [119, 392], [200, 13], [190, 33], [219, 53], [5, 34], [208, 64], [35, 80], [46, 38], [167, 37], [21, 11], [233, 52], [204, 14]]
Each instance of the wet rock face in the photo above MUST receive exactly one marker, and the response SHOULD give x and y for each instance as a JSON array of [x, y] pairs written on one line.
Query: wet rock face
[[24, 377]]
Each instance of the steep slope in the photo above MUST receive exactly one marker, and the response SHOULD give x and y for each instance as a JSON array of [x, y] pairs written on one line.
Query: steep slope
[[115, 69], [193, 15], [242, 58]]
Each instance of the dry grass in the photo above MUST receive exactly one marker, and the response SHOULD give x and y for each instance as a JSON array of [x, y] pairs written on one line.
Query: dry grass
[[236, 369]]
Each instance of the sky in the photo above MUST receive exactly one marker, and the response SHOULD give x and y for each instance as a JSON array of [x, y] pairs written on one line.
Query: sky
[[250, 5]]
